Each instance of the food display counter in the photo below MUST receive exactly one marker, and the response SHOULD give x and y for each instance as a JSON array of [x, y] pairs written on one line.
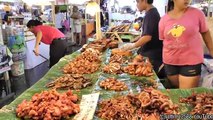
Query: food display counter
[[127, 85]]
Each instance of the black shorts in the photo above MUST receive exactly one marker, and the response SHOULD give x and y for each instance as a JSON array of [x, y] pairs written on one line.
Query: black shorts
[[185, 70]]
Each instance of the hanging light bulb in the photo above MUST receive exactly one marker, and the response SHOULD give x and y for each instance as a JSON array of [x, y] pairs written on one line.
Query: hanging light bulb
[[92, 8]]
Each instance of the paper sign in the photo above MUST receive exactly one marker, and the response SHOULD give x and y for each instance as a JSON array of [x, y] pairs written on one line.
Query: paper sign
[[87, 107]]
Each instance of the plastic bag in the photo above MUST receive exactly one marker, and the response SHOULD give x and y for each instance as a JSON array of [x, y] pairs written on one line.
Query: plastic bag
[[208, 81], [206, 75], [66, 24]]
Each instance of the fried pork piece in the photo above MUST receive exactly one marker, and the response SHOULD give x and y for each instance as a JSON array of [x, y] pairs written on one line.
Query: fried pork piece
[[116, 109], [70, 81], [139, 68], [121, 52], [86, 63], [112, 68], [117, 59], [152, 102], [138, 59], [202, 103], [113, 84], [49, 105], [147, 105], [91, 55], [145, 84], [81, 67], [112, 44], [99, 45]]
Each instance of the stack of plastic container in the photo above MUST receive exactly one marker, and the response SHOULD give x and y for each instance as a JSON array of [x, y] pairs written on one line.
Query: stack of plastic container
[[16, 43]]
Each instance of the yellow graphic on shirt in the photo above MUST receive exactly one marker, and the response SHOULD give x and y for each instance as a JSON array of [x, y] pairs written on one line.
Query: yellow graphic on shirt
[[177, 31]]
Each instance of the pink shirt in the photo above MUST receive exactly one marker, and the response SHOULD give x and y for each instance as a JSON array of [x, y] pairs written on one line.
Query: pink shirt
[[182, 41], [48, 33]]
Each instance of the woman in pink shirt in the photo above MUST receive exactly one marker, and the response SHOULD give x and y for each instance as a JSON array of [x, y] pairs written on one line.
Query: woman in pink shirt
[[50, 36], [182, 30]]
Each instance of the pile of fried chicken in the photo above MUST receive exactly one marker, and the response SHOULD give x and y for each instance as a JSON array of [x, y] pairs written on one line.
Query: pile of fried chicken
[[49, 105]]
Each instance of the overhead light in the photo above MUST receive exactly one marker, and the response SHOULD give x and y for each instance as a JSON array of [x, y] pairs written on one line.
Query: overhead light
[[92, 8]]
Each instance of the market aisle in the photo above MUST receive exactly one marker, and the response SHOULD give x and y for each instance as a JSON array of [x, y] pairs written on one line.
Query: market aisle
[[33, 75]]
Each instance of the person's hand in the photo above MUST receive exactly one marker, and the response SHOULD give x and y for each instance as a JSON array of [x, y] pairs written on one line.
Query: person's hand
[[127, 46], [36, 51]]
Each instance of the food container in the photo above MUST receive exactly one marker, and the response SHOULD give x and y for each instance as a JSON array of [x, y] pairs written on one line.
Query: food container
[[17, 68], [19, 56]]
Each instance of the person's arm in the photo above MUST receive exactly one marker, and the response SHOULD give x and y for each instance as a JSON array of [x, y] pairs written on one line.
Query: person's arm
[[38, 40], [136, 39], [149, 27], [204, 30], [208, 41], [75, 16], [142, 41]]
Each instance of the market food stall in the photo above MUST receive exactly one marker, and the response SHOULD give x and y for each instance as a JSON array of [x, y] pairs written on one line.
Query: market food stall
[[100, 81], [121, 81]]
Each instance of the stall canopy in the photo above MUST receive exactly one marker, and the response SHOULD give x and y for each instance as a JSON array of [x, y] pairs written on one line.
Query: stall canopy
[[38, 2], [12, 1], [80, 2]]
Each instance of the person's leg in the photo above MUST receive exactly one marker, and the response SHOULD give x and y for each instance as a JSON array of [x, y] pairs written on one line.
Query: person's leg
[[174, 80], [57, 51], [189, 76], [172, 73], [76, 38], [188, 82], [51, 55], [78, 34], [75, 34], [80, 38]]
